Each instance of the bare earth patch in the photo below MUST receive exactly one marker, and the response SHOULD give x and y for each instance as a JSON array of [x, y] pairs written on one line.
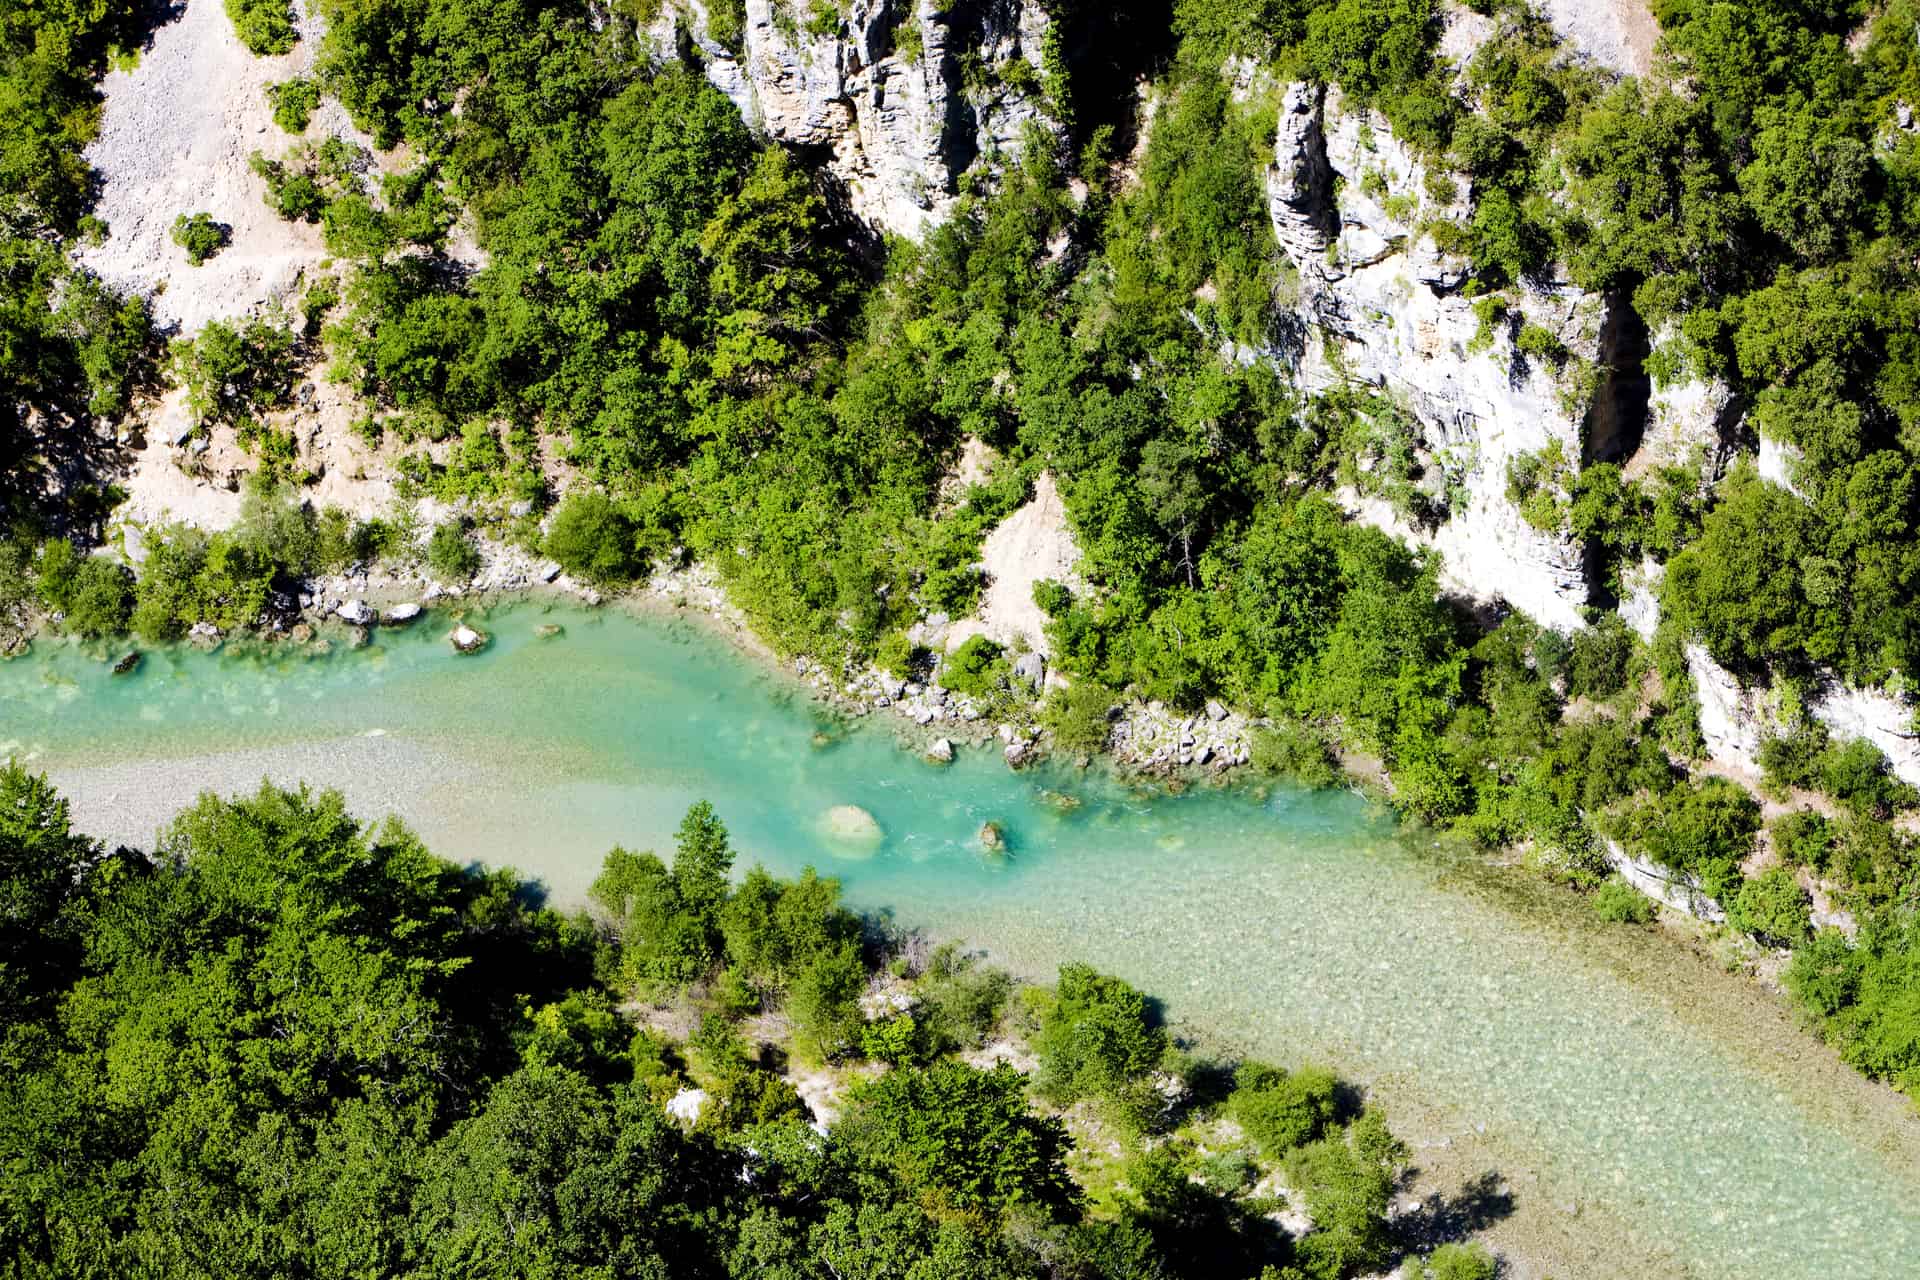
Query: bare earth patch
[[1033, 544], [1617, 34], [175, 136]]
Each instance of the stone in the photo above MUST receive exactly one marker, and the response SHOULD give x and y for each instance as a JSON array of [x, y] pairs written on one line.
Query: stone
[[992, 838], [892, 686], [1030, 667], [1216, 712], [401, 614], [1016, 753], [520, 509], [355, 613], [856, 831], [548, 571], [302, 633], [549, 631], [127, 664], [940, 751], [466, 639]]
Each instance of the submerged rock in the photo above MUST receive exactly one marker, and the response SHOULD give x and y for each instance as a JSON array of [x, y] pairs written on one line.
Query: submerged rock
[[993, 838], [856, 830], [466, 639], [127, 663], [940, 751], [549, 631]]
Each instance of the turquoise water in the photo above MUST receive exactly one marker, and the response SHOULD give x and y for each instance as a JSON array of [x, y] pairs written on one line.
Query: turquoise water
[[1668, 1102]]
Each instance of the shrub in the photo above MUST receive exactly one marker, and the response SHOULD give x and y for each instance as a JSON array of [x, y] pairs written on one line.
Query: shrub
[[1773, 907], [293, 103], [594, 540], [1704, 829], [200, 236], [1077, 716], [451, 554], [1618, 902], [1601, 655], [1295, 750], [264, 26], [1097, 1038], [1281, 1111], [1804, 839], [975, 668], [1469, 1261]]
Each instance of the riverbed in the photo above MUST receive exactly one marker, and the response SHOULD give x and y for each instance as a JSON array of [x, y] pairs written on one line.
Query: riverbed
[[1643, 1112]]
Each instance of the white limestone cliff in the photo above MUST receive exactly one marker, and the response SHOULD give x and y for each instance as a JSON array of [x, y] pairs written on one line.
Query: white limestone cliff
[[1380, 306], [884, 95]]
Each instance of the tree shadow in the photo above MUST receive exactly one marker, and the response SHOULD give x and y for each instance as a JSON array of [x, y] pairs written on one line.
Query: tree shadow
[[1441, 1219]]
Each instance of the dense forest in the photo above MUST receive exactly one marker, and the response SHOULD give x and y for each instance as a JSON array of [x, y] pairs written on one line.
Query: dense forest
[[740, 377], [286, 1044]]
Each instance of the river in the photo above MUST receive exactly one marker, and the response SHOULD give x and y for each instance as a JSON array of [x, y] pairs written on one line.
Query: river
[[1646, 1113]]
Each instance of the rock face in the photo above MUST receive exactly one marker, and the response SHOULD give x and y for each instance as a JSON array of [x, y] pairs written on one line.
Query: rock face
[[1380, 307], [880, 90], [1882, 719]]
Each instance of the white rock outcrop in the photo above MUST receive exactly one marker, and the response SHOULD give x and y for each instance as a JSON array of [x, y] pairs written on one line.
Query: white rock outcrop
[[1881, 718], [1380, 306], [881, 91]]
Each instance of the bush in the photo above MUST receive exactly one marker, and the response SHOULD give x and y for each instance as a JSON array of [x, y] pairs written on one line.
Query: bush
[[1077, 716], [976, 668], [1297, 751], [200, 236], [1773, 907], [1096, 1039], [1469, 1261], [1804, 839], [1618, 902], [451, 554], [293, 103], [264, 26], [1281, 1111], [1601, 655], [593, 539], [1705, 829]]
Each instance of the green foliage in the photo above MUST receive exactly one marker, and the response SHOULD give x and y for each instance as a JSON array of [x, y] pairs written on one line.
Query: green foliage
[[200, 236], [1865, 995], [1097, 1038], [977, 668], [294, 102], [232, 373], [1773, 907], [593, 539], [1469, 1261], [1282, 1111], [451, 555], [264, 26], [1704, 829], [1296, 751], [1347, 1181], [1618, 902], [92, 594], [1079, 717], [959, 1139]]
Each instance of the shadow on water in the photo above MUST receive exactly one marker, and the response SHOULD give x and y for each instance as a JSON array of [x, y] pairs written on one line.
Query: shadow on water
[[1441, 1219]]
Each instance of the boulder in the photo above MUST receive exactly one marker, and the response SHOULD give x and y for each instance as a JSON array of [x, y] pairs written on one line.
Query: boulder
[[940, 751], [1016, 753], [1030, 667], [127, 664], [356, 613], [401, 614], [549, 631], [853, 829], [1216, 712], [993, 838], [466, 639]]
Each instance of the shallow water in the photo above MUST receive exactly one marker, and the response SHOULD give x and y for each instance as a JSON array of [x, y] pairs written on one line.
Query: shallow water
[[1648, 1091]]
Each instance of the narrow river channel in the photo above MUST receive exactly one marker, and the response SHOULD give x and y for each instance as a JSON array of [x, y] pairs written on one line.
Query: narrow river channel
[[1648, 1114]]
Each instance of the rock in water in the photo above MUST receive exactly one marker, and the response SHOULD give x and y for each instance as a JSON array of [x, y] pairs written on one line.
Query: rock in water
[[993, 838], [127, 663], [356, 613], [853, 828], [549, 631], [401, 614], [466, 639], [940, 751], [1016, 753]]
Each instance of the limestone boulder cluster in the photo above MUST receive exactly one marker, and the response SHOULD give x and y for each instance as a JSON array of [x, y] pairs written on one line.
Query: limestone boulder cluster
[[899, 100], [1155, 737]]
